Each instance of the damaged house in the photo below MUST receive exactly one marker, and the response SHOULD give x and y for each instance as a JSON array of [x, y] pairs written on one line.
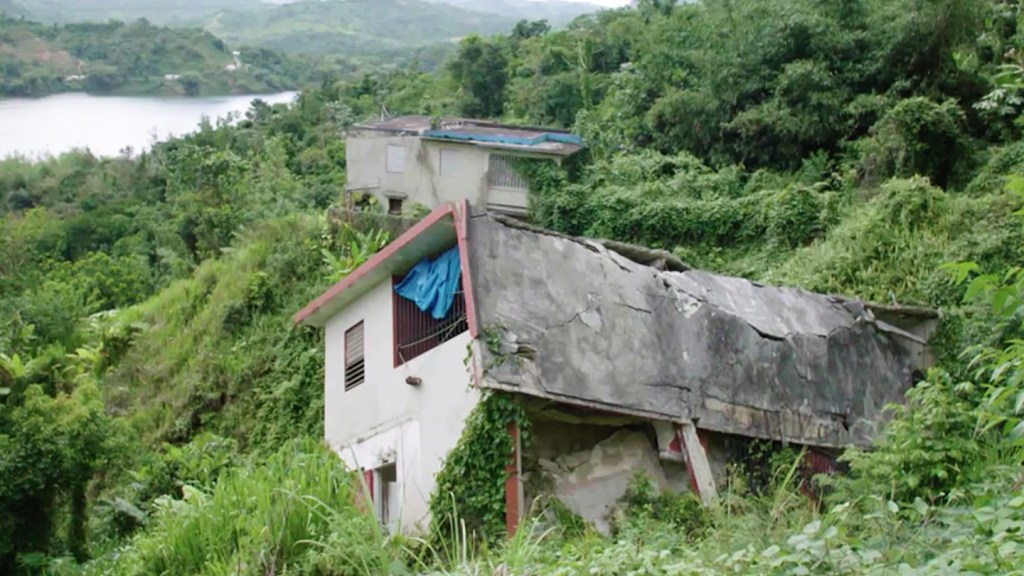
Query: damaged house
[[624, 359], [412, 161]]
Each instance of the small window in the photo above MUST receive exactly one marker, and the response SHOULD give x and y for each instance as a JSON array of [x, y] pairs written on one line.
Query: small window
[[395, 159], [355, 362], [387, 509], [502, 174], [450, 162], [395, 206]]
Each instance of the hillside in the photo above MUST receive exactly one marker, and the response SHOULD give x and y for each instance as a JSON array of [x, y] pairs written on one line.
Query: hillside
[[351, 27], [156, 11], [161, 414], [556, 12], [13, 9], [387, 29], [37, 59]]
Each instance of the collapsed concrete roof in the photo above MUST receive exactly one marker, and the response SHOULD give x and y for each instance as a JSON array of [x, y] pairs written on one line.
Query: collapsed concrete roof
[[577, 321]]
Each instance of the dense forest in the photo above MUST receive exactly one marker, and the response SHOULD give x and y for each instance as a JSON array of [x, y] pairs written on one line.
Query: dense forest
[[160, 414], [114, 57]]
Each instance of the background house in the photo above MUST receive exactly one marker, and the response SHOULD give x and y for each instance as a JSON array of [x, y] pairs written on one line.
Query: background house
[[407, 161], [624, 358]]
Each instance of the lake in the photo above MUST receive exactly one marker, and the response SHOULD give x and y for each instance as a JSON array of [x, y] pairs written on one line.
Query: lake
[[108, 124]]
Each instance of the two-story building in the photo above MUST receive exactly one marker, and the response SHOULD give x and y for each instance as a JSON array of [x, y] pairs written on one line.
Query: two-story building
[[412, 160], [624, 358]]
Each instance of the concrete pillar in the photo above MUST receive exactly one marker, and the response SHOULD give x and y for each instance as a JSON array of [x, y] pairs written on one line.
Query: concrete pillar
[[514, 484], [697, 462]]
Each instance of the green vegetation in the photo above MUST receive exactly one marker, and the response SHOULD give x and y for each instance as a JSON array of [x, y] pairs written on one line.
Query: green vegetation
[[152, 384], [137, 58], [298, 508], [467, 496]]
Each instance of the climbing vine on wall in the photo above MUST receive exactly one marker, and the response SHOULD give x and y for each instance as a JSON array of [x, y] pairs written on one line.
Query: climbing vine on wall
[[471, 485], [542, 174], [548, 181]]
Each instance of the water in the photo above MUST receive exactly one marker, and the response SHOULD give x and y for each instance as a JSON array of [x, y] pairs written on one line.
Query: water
[[107, 124]]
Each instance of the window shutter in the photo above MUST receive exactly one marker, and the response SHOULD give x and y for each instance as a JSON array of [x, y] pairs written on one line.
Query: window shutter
[[449, 162], [395, 159], [355, 364]]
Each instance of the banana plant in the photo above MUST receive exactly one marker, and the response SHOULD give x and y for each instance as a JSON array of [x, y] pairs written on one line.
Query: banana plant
[[360, 247], [11, 369]]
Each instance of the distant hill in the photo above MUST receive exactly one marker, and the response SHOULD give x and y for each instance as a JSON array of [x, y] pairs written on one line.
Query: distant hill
[[13, 9], [113, 57], [156, 11], [352, 27], [556, 12]]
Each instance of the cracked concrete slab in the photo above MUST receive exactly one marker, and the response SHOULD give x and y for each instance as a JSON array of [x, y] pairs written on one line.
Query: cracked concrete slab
[[678, 344]]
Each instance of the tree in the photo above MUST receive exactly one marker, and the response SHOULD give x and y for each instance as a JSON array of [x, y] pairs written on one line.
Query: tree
[[526, 29], [650, 7], [480, 69]]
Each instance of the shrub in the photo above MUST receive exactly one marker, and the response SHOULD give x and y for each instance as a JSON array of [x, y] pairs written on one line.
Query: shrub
[[683, 512], [882, 250], [794, 217], [928, 449], [993, 175], [916, 137]]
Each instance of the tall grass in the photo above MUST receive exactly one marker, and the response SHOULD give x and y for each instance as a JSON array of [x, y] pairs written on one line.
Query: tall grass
[[293, 513]]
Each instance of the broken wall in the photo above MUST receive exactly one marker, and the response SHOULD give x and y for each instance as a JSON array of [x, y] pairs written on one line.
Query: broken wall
[[578, 323], [588, 467]]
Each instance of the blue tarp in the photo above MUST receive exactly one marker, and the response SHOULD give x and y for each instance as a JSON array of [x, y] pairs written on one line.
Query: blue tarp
[[505, 138], [432, 284]]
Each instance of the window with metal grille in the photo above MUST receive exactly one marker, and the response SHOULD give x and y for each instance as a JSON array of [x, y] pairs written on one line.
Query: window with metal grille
[[449, 162], [355, 360], [417, 332], [502, 174], [395, 162]]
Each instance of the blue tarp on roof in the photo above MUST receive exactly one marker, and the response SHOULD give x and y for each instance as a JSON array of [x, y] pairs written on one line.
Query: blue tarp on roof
[[432, 284], [505, 138]]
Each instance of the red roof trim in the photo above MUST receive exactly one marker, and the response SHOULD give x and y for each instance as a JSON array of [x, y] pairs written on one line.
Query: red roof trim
[[512, 512], [376, 260], [462, 235]]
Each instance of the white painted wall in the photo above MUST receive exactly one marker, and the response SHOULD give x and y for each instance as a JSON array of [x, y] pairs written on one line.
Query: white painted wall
[[384, 419], [422, 182]]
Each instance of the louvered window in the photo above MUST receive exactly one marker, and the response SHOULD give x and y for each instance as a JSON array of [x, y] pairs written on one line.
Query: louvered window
[[355, 360], [501, 173], [396, 159]]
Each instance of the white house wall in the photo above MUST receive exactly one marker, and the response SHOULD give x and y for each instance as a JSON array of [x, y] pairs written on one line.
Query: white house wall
[[422, 182], [384, 419]]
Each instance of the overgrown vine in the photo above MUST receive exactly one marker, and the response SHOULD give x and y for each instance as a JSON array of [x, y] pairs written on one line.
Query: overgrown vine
[[470, 488], [545, 179]]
